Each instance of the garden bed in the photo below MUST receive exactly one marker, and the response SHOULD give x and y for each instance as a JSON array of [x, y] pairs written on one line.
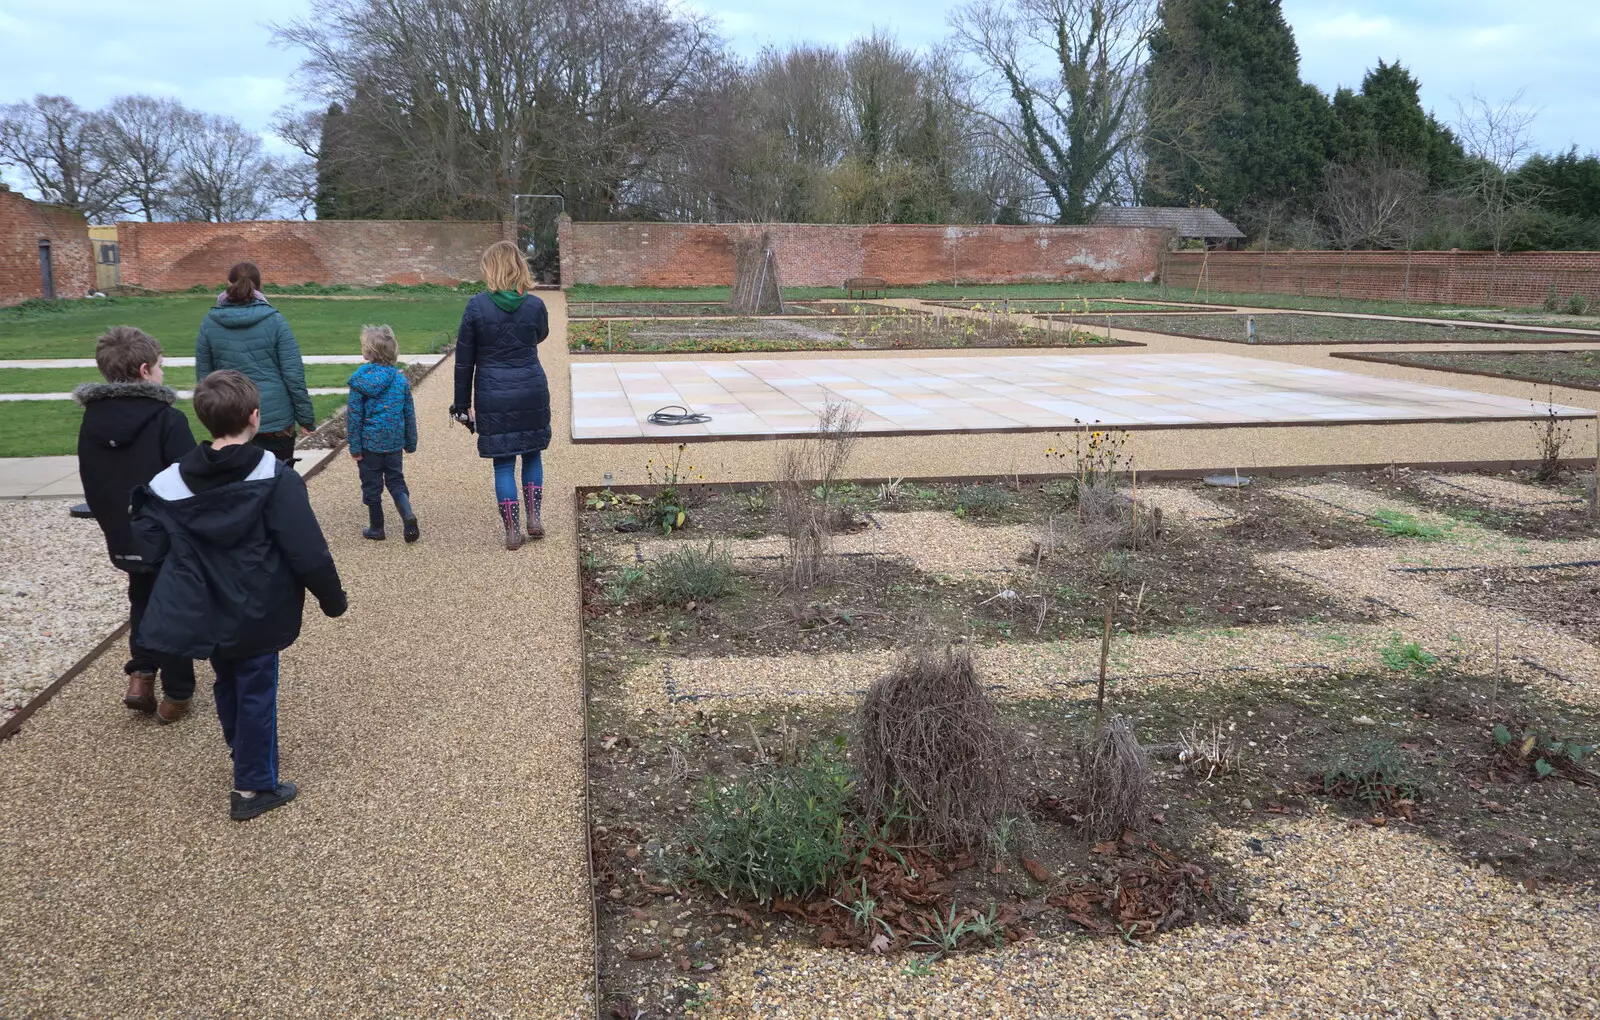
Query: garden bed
[[1579, 370], [1403, 743], [702, 309], [1080, 306], [1280, 328], [909, 331]]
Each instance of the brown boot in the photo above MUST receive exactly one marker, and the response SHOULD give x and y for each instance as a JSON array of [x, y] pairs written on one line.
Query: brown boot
[[511, 518], [141, 696], [170, 711]]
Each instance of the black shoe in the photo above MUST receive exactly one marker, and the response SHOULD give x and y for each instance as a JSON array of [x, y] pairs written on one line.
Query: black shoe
[[412, 531], [376, 534], [242, 809]]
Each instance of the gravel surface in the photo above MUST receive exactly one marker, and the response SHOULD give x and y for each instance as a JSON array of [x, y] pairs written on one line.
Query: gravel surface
[[59, 595], [1502, 493], [1349, 921], [434, 864]]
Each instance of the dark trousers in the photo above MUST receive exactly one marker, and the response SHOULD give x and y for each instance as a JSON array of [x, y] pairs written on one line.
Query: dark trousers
[[247, 706], [177, 675], [378, 470], [279, 444]]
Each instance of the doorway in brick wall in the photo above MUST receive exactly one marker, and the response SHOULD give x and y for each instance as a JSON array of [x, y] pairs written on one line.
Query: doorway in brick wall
[[536, 217], [47, 270]]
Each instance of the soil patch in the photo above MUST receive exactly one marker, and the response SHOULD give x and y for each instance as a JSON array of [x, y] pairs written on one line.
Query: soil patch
[[1278, 328], [905, 331], [1564, 597], [1551, 512]]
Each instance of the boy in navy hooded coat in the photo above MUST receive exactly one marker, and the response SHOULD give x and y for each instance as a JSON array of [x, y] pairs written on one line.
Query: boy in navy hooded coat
[[381, 423]]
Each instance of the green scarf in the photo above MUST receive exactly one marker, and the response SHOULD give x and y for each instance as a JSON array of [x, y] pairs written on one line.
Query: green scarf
[[508, 300]]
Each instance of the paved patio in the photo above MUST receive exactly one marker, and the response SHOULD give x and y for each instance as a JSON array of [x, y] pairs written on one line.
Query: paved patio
[[977, 393]]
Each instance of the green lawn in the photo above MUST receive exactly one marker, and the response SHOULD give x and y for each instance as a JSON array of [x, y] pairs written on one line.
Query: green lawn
[[62, 380], [41, 428], [1049, 291], [68, 329]]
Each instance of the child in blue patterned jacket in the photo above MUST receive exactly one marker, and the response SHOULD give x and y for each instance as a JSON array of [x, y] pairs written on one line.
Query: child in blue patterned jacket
[[382, 421]]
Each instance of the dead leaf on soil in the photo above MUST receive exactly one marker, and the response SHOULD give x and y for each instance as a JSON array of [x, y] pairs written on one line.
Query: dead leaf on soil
[[1040, 873]]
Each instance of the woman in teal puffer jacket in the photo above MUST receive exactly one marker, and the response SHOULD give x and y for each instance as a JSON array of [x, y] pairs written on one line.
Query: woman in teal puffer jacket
[[248, 335]]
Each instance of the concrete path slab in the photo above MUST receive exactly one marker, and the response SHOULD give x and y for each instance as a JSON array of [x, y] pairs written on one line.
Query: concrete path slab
[[30, 476], [976, 393]]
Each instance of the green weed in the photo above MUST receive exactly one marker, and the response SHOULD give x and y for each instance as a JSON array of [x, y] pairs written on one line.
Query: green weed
[[1373, 774], [693, 573], [1403, 525], [1401, 656]]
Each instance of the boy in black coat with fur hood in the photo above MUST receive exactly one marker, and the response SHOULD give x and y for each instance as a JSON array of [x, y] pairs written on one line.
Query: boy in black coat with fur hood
[[130, 432], [239, 546]]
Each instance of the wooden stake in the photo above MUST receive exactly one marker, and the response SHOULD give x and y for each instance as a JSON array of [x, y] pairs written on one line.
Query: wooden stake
[[1135, 472], [1494, 699], [1105, 653], [1594, 487]]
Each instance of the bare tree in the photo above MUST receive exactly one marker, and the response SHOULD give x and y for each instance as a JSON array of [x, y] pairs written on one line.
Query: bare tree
[[139, 142], [1071, 70], [1497, 140], [52, 141], [1372, 204], [222, 175]]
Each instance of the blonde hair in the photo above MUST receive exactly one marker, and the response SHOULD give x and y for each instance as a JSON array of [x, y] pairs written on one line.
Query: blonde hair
[[378, 345], [505, 269]]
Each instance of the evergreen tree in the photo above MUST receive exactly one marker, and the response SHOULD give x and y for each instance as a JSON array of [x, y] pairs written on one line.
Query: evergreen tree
[[1384, 124], [1263, 136]]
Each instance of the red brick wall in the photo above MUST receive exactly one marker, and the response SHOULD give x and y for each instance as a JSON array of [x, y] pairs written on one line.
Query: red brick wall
[[176, 256], [22, 223], [818, 255], [1435, 277]]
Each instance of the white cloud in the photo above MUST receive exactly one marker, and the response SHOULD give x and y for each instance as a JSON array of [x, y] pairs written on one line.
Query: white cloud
[[1347, 26]]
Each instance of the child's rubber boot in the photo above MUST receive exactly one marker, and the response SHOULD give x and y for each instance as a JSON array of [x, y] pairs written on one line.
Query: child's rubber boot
[[242, 808], [510, 517], [408, 517], [374, 529], [534, 494]]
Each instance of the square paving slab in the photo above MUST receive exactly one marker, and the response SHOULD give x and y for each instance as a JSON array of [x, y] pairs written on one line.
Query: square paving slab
[[612, 399]]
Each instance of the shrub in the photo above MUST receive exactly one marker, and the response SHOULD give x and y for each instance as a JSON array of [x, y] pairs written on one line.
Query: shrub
[[1114, 779], [1578, 304], [1373, 774], [1552, 301], [928, 742], [787, 833], [693, 573], [808, 485]]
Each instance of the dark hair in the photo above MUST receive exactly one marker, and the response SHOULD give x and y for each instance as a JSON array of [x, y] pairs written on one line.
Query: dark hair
[[244, 279], [122, 349], [223, 401]]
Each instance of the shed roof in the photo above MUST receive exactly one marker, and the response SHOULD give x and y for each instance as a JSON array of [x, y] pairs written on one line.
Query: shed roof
[[1188, 222]]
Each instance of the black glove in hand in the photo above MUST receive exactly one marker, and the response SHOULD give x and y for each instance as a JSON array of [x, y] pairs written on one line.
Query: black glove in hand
[[463, 417], [334, 608]]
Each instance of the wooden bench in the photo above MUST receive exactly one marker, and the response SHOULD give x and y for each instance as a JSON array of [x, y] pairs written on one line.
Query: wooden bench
[[862, 284]]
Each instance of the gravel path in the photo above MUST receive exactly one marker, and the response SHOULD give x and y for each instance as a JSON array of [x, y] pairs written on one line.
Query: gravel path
[[1349, 921], [59, 595], [434, 864]]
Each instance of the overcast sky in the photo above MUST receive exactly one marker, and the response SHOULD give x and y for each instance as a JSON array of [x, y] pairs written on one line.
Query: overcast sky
[[219, 58]]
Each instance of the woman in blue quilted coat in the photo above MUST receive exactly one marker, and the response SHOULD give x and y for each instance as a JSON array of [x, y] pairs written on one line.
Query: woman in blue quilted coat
[[501, 387], [245, 333], [381, 426]]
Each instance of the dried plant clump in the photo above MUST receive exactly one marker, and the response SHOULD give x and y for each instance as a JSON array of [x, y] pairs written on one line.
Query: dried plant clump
[[929, 746], [1208, 753], [1114, 780], [808, 476]]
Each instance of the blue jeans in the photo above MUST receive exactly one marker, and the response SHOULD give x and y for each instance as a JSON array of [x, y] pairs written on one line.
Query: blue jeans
[[247, 706], [505, 476], [384, 469]]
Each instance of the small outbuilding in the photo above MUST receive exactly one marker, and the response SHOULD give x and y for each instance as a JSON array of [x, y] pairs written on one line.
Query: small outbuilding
[[1208, 225]]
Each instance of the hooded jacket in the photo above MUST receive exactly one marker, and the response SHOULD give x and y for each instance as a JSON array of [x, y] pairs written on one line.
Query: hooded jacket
[[255, 339], [498, 373], [130, 431], [382, 417], [238, 546]]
